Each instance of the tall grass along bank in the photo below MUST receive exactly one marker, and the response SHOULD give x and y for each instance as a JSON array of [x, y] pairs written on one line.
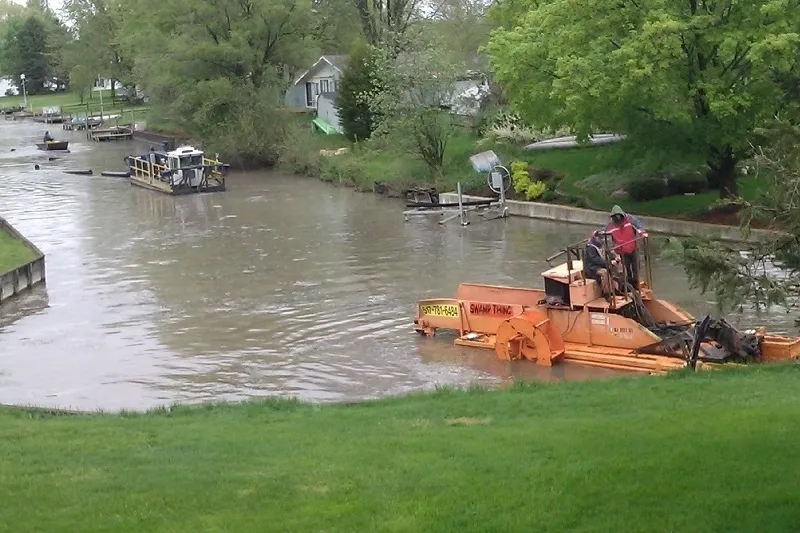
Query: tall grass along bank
[[714, 451]]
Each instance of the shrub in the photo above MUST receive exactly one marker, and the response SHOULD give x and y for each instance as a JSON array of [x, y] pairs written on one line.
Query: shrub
[[580, 202], [647, 189], [519, 176], [342, 170], [549, 196], [295, 152], [357, 83], [535, 190], [522, 181], [687, 183]]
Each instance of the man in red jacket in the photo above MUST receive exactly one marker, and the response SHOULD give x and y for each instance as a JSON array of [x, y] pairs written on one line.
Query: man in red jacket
[[624, 230]]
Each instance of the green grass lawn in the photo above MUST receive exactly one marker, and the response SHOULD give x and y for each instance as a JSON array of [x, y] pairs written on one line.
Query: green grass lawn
[[715, 451], [69, 102], [591, 173], [13, 253], [583, 165]]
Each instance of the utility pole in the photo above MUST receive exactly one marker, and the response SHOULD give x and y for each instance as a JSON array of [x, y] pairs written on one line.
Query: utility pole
[[24, 92]]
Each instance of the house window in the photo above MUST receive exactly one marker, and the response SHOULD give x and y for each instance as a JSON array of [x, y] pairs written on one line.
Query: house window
[[325, 86]]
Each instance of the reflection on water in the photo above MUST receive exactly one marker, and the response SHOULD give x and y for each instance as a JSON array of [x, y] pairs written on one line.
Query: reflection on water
[[280, 286]]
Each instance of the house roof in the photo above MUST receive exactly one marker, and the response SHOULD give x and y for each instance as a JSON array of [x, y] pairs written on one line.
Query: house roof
[[339, 62]]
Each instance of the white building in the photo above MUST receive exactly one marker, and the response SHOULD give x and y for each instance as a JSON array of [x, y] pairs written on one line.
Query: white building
[[104, 84], [7, 86], [316, 90]]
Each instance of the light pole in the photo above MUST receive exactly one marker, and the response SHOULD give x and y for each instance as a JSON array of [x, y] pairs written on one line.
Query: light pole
[[101, 98], [24, 92]]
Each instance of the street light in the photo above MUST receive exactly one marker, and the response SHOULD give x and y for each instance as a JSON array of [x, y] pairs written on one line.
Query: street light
[[24, 92]]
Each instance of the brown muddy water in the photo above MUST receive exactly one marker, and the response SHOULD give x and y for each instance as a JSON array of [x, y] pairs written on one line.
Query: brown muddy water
[[281, 286]]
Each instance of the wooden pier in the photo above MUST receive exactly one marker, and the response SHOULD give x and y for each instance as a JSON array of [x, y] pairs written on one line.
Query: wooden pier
[[77, 123], [119, 133], [49, 119]]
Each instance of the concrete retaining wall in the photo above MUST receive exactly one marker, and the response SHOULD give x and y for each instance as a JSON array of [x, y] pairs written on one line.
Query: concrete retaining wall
[[26, 276], [588, 217]]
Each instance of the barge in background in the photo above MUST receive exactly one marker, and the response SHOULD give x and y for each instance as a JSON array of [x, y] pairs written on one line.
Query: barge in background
[[184, 170]]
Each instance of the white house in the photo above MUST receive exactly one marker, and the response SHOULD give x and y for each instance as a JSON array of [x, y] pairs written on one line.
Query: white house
[[7, 86], [104, 84], [322, 78], [316, 88]]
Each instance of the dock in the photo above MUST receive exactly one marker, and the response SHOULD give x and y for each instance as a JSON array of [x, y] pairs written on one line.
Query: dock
[[49, 119], [77, 123], [118, 133]]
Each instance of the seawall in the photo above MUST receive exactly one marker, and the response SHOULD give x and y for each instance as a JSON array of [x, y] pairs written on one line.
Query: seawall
[[26, 276], [589, 217]]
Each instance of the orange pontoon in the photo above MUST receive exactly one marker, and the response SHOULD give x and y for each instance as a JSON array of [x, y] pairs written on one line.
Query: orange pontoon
[[570, 320]]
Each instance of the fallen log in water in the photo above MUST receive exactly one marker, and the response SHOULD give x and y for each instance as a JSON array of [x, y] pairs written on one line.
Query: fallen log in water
[[115, 174]]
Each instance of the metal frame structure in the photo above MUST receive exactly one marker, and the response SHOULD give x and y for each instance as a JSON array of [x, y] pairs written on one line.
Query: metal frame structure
[[575, 252], [498, 180]]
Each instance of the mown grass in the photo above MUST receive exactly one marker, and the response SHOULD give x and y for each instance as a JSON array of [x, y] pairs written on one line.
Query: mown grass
[[710, 452], [365, 166], [70, 102], [13, 253]]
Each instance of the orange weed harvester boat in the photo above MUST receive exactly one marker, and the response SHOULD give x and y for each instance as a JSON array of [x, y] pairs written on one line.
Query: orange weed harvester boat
[[570, 320]]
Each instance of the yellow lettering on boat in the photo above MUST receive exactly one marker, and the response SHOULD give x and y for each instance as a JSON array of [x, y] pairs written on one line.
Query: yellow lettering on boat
[[448, 310]]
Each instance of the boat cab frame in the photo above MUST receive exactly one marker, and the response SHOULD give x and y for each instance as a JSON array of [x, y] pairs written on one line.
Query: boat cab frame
[[184, 170]]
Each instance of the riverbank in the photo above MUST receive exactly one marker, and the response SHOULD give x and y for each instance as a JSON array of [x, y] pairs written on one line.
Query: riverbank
[[585, 177], [21, 262], [13, 252], [681, 453]]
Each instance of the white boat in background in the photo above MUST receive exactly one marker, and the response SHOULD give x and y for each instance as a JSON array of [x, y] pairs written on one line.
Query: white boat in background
[[572, 142]]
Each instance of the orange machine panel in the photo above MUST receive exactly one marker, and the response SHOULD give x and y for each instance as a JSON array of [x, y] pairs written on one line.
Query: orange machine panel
[[595, 328], [499, 294], [583, 291]]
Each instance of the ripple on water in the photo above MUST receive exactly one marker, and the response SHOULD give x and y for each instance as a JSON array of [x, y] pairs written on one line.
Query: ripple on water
[[279, 286]]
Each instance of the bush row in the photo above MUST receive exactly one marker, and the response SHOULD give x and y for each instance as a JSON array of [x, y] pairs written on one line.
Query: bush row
[[653, 188]]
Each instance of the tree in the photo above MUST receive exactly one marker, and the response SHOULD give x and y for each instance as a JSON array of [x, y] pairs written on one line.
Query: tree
[[8, 11], [217, 68], [336, 25], [463, 28], [355, 88], [763, 272], [413, 92], [385, 20], [685, 77], [27, 53], [59, 39], [98, 24]]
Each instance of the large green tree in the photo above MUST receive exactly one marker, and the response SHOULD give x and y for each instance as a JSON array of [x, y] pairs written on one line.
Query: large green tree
[[218, 68], [97, 50], [463, 28], [383, 21], [413, 90], [686, 77], [356, 87], [31, 43], [25, 50], [763, 271]]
